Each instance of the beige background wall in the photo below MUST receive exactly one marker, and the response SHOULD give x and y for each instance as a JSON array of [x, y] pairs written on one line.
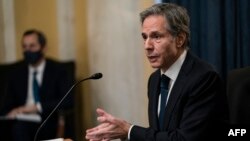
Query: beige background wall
[[7, 35], [2, 56], [115, 48], [100, 36], [40, 14]]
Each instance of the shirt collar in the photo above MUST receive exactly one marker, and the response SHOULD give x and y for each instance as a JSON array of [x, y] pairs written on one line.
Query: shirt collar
[[173, 71], [39, 68]]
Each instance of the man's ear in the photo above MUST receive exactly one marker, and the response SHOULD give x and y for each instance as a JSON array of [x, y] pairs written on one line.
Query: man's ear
[[180, 39]]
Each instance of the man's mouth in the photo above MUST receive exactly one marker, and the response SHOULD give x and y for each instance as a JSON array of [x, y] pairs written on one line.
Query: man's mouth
[[152, 58]]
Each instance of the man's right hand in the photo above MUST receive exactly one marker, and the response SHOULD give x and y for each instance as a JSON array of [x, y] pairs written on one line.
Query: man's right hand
[[109, 128], [22, 110]]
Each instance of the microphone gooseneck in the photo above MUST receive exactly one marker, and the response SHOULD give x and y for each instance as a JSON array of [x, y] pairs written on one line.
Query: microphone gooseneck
[[94, 76]]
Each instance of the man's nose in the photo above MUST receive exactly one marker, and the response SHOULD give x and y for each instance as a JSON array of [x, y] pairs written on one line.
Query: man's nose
[[148, 44]]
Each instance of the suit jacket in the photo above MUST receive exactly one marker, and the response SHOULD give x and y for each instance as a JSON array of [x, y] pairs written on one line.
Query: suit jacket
[[54, 85], [196, 105]]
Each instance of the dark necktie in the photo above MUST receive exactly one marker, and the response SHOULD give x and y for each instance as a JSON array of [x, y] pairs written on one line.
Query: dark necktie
[[35, 87], [164, 95]]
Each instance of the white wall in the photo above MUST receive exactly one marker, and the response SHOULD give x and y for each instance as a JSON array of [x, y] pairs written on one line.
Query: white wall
[[115, 49], [7, 32]]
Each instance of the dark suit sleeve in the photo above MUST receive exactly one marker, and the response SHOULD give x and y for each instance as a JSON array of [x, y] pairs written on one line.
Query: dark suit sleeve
[[10, 100], [16, 90], [198, 113]]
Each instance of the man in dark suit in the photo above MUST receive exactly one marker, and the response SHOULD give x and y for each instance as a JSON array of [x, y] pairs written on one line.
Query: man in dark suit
[[186, 96], [35, 87]]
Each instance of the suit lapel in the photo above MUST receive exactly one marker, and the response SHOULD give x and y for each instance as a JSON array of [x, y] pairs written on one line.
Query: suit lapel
[[45, 81], [154, 94], [176, 91], [24, 83]]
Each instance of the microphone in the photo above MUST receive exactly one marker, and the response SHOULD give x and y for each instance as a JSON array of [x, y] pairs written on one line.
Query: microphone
[[94, 76]]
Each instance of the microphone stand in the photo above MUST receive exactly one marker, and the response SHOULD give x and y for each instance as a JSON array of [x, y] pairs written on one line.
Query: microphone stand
[[95, 76]]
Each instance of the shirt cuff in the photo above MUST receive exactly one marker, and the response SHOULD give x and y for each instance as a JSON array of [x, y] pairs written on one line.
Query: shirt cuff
[[39, 107], [130, 128]]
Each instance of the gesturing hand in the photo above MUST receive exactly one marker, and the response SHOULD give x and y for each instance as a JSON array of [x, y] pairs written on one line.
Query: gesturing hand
[[109, 128]]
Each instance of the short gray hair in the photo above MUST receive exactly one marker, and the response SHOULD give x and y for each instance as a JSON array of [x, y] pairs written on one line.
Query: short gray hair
[[176, 16]]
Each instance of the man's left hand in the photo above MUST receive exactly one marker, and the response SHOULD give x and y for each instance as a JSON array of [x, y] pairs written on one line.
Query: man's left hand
[[110, 128]]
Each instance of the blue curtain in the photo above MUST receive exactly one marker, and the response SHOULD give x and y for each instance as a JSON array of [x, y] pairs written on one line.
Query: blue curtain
[[220, 32]]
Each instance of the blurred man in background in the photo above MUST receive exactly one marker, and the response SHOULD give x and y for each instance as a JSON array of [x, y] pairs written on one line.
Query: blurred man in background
[[34, 89]]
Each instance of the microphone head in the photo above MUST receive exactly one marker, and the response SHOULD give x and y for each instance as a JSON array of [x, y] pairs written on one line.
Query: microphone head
[[96, 76]]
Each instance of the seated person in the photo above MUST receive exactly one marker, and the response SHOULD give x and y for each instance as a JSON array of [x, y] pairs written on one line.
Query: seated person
[[35, 87]]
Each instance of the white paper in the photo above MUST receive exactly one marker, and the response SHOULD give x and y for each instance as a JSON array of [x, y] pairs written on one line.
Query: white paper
[[29, 117], [24, 117]]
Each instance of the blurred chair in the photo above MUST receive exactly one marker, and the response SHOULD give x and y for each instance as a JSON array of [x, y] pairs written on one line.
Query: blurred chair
[[4, 69], [238, 92], [66, 125]]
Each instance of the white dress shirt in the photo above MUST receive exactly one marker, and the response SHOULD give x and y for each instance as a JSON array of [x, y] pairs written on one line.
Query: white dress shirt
[[172, 73], [39, 76]]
